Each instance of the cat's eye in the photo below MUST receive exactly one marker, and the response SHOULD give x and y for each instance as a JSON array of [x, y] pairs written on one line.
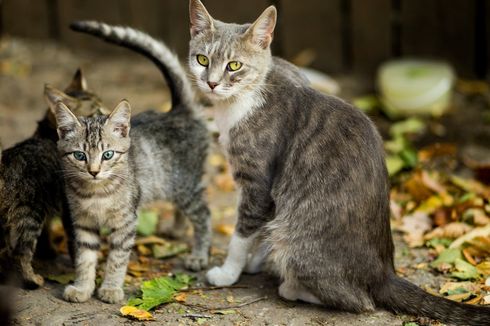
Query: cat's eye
[[233, 65], [79, 156], [203, 60], [107, 155]]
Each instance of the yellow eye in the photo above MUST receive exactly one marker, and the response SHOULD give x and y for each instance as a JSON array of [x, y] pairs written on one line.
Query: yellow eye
[[203, 60], [233, 65]]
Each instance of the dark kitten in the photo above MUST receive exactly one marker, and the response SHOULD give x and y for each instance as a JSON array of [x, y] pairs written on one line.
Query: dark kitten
[[314, 188], [31, 186]]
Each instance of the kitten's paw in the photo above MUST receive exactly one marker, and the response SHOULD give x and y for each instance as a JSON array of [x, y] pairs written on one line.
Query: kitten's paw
[[110, 295], [196, 263], [33, 281], [219, 276], [74, 294]]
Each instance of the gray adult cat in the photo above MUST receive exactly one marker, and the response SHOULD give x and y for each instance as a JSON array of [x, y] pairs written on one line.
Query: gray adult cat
[[113, 165], [310, 168]]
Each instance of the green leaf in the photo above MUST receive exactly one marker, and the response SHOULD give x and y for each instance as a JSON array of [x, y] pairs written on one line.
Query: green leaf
[[147, 222], [448, 256], [394, 164], [411, 323], [168, 249], [409, 157], [464, 270], [367, 103], [408, 126], [160, 290], [434, 242], [62, 279]]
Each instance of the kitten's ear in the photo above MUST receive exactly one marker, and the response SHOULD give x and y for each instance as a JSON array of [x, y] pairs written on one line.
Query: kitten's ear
[[53, 96], [78, 83], [262, 30], [200, 20], [119, 120], [67, 123]]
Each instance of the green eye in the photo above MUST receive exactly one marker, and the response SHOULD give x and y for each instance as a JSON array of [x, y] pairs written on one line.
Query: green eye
[[233, 65], [79, 156], [203, 60], [107, 155]]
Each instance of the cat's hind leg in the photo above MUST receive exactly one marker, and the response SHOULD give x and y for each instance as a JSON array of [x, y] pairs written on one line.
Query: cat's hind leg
[[293, 291], [257, 258], [196, 209], [25, 228]]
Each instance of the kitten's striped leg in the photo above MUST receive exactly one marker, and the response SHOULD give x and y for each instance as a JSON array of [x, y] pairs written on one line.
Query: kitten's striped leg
[[87, 245], [197, 211], [121, 242], [23, 234]]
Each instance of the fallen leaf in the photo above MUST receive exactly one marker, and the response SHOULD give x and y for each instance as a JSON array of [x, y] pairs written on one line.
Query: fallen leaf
[[224, 182], [225, 229], [133, 312], [181, 297], [150, 240], [464, 270], [486, 299], [459, 287], [168, 250], [160, 290], [452, 230], [415, 226], [394, 164], [484, 268], [147, 222], [61, 279], [477, 232], [447, 258], [143, 250]]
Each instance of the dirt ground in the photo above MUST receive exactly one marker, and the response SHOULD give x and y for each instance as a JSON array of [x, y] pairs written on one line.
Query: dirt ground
[[24, 68]]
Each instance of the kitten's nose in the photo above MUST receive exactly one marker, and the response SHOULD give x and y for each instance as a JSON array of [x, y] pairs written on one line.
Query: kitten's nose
[[94, 173], [212, 85]]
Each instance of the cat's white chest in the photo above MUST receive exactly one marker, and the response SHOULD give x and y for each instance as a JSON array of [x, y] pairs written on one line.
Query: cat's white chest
[[228, 115]]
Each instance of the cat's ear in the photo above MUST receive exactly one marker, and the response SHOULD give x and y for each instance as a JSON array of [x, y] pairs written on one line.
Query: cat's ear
[[78, 83], [53, 96], [119, 119], [262, 30], [200, 20], [66, 122]]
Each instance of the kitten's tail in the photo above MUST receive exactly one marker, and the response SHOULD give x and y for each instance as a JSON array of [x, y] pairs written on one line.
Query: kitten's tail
[[400, 295], [156, 51]]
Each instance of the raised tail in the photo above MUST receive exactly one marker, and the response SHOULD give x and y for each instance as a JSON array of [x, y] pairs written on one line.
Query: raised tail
[[402, 296], [166, 61]]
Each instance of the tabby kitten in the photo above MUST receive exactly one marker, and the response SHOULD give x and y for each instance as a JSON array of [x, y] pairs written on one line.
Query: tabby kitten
[[113, 166], [31, 187], [314, 188]]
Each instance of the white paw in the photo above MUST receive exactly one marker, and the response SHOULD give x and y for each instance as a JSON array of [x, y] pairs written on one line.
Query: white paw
[[74, 294], [221, 277], [110, 295]]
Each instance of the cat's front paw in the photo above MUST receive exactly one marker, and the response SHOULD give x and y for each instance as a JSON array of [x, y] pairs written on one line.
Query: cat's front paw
[[196, 263], [219, 276], [110, 295], [33, 281], [74, 294]]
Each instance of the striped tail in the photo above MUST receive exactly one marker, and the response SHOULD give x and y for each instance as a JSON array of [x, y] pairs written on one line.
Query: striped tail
[[156, 51]]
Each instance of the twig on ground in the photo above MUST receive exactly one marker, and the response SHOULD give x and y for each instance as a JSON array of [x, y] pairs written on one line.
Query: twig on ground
[[212, 288], [196, 316], [205, 308]]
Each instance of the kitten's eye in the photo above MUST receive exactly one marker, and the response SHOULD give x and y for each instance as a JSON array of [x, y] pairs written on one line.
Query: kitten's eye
[[203, 60], [79, 156], [107, 155], [233, 65]]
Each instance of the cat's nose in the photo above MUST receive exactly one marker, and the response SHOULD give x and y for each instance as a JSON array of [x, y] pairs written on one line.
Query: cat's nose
[[94, 173], [212, 85]]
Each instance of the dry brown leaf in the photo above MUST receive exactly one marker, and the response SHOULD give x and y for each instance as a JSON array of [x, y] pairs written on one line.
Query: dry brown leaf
[[143, 250], [225, 229], [469, 257], [415, 226], [481, 232], [133, 312], [150, 240], [484, 268], [416, 187], [181, 297], [452, 230]]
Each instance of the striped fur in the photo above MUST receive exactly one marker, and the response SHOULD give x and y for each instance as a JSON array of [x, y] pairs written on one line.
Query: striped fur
[[32, 190], [314, 187], [156, 156], [157, 52]]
